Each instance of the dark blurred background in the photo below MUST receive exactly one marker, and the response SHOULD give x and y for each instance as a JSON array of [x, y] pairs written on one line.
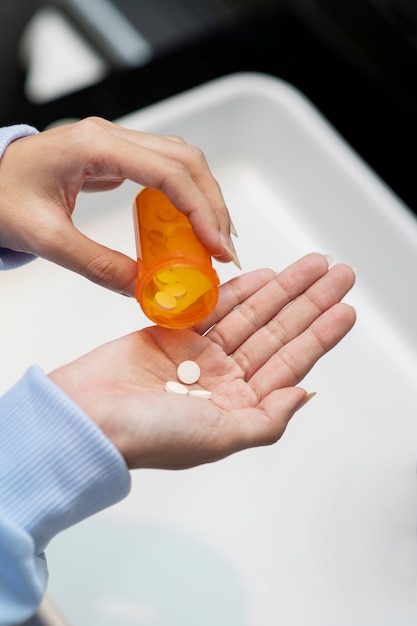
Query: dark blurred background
[[356, 60]]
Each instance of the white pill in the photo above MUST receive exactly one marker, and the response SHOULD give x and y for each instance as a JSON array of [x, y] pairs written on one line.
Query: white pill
[[165, 301], [200, 393], [172, 386], [188, 372], [167, 277], [178, 290]]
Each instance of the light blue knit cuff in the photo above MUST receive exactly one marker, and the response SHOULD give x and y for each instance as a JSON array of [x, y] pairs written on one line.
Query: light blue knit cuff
[[56, 465], [11, 133], [9, 259]]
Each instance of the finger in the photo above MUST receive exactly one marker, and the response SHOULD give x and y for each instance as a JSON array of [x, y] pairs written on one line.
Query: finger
[[264, 424], [257, 310], [101, 184], [100, 264], [233, 293], [275, 412], [188, 182], [194, 160], [295, 318], [178, 170], [294, 360]]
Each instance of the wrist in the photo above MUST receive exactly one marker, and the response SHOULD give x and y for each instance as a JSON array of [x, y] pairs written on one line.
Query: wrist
[[60, 467], [10, 259], [8, 134]]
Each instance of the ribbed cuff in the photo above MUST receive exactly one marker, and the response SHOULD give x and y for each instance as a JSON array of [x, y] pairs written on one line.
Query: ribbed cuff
[[56, 465], [11, 133], [9, 259]]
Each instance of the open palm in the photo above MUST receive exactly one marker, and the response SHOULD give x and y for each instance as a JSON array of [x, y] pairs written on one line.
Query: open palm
[[266, 333]]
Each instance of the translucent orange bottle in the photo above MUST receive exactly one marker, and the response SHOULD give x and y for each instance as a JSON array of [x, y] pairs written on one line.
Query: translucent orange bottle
[[177, 285]]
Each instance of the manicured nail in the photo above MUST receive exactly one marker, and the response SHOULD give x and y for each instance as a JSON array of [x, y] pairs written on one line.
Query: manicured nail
[[306, 399], [329, 259], [233, 229], [230, 249]]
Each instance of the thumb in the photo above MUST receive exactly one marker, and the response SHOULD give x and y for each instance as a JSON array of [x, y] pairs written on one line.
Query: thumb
[[278, 408], [101, 265]]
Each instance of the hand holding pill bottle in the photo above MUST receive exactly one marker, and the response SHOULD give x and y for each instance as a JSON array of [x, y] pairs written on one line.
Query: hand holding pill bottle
[[177, 286]]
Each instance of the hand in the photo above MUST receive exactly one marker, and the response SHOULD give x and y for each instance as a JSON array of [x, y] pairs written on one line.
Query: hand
[[251, 356], [41, 176]]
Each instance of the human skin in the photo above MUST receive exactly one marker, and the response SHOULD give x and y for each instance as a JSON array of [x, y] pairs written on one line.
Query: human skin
[[41, 176], [264, 336]]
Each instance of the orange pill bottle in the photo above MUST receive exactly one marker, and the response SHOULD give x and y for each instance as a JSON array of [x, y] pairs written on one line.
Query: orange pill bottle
[[177, 286]]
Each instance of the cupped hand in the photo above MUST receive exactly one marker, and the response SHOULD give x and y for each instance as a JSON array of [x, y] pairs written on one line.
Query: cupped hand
[[41, 176], [264, 336]]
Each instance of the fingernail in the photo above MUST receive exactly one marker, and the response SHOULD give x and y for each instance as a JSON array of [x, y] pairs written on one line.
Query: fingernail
[[306, 399], [230, 249], [233, 229], [329, 259], [354, 269]]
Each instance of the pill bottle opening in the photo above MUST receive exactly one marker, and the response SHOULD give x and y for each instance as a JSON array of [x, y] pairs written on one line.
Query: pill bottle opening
[[178, 295]]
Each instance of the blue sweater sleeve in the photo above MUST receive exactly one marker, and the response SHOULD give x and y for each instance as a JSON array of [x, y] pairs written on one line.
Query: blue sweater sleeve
[[9, 259], [56, 468]]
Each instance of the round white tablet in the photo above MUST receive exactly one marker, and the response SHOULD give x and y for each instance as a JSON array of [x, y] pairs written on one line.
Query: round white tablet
[[200, 393], [172, 386], [167, 277], [188, 372], [178, 290], [165, 301]]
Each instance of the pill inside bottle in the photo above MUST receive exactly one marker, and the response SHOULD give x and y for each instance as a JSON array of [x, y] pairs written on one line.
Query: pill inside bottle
[[177, 286]]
